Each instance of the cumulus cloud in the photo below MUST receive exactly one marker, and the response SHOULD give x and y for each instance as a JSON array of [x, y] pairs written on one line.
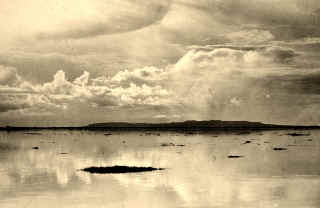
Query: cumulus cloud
[[230, 84], [124, 89], [146, 75], [219, 83]]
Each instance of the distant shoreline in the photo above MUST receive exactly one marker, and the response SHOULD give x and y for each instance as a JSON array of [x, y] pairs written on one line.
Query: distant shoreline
[[213, 125]]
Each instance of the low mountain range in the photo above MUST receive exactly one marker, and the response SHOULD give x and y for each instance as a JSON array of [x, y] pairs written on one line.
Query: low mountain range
[[185, 126]]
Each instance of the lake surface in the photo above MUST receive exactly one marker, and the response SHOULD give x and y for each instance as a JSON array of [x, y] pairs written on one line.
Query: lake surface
[[205, 172]]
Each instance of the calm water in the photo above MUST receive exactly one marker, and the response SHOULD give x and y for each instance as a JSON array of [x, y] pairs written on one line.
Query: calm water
[[199, 174]]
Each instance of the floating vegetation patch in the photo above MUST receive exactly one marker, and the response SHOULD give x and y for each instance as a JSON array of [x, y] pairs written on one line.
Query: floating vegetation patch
[[171, 145], [235, 156], [152, 133], [279, 149], [298, 134], [119, 169], [243, 133], [33, 133]]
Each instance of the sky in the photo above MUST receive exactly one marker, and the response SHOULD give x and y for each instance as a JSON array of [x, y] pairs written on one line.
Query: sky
[[69, 63]]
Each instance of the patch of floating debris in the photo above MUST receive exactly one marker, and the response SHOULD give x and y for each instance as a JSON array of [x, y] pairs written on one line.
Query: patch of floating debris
[[172, 145], [279, 149], [119, 169], [298, 134], [235, 156]]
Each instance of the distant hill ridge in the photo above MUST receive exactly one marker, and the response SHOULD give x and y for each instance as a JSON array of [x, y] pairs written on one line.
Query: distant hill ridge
[[190, 125]]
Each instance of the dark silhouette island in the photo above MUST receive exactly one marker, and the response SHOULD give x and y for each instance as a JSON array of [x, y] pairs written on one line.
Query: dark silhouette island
[[186, 126]]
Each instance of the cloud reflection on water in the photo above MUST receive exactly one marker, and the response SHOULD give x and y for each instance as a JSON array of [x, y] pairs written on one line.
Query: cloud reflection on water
[[197, 175]]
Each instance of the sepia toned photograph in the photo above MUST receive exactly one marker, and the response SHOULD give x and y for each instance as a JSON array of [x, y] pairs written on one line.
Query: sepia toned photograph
[[160, 104]]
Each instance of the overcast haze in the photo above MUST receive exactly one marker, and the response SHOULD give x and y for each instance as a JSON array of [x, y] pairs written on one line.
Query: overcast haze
[[82, 61]]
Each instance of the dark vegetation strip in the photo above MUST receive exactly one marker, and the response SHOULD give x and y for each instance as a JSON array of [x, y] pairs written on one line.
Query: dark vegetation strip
[[119, 169]]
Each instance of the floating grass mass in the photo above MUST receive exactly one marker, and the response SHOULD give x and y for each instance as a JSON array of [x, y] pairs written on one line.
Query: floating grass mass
[[298, 134], [279, 149], [119, 169], [33, 133], [235, 156]]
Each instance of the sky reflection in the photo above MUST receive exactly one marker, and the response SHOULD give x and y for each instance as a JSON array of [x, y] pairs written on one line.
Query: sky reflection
[[198, 174]]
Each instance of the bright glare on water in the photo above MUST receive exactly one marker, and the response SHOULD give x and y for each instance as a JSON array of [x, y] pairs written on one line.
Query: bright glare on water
[[198, 174]]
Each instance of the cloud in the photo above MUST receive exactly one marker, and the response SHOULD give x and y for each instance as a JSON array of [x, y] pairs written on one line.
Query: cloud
[[12, 102], [207, 82], [250, 36], [119, 90], [167, 117], [230, 84], [275, 53], [235, 101], [280, 54], [216, 22], [60, 20], [107, 18], [40, 67], [196, 59], [8, 75], [26, 101], [140, 76], [182, 21], [267, 12]]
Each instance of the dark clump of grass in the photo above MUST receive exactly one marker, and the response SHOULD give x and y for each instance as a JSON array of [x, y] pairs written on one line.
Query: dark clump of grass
[[247, 142], [119, 169], [279, 149], [235, 156], [171, 145], [298, 134], [33, 133]]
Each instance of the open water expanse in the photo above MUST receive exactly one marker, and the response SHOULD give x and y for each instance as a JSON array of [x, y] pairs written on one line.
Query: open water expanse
[[44, 169]]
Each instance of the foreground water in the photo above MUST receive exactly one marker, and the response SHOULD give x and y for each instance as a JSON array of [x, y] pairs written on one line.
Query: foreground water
[[201, 170]]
